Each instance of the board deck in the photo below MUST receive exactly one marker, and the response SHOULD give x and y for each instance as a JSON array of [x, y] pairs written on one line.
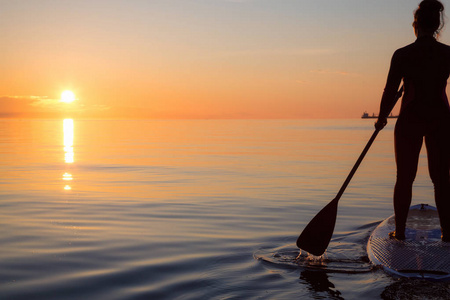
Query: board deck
[[421, 255]]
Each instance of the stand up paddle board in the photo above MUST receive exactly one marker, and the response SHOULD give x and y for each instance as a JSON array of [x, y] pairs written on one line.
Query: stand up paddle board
[[421, 255]]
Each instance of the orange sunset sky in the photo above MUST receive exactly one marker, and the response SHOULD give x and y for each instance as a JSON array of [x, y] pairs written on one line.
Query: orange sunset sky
[[199, 58]]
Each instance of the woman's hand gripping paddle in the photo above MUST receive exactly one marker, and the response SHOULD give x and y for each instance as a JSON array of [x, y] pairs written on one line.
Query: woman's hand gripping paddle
[[317, 234]]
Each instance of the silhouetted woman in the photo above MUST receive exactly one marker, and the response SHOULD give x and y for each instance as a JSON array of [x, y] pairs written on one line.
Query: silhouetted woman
[[424, 67]]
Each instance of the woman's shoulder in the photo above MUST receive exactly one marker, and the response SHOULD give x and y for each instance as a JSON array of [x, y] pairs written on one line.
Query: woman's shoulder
[[400, 52], [443, 46], [419, 47], [406, 48]]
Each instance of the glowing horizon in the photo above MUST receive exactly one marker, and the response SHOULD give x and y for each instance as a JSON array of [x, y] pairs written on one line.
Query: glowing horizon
[[224, 59]]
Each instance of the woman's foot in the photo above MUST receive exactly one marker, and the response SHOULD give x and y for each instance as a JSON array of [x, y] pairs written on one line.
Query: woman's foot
[[397, 235]]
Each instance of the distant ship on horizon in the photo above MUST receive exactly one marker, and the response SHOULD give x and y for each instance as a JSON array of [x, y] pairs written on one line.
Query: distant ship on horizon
[[365, 115]]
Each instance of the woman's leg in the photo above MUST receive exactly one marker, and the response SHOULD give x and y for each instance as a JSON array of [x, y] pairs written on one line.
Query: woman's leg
[[438, 149], [408, 142]]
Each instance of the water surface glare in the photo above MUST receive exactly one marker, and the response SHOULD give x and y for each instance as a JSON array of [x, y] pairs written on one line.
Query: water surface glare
[[202, 209]]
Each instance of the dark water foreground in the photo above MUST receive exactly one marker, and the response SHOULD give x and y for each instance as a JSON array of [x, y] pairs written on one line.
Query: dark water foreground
[[193, 210]]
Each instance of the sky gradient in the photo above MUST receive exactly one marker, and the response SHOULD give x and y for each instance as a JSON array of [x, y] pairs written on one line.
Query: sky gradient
[[199, 58]]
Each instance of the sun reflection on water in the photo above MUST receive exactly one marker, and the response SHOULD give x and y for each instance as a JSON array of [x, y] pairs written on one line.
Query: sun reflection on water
[[68, 140], [68, 128], [67, 176]]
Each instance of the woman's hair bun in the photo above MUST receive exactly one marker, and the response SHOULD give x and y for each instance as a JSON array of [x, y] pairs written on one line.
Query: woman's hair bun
[[432, 5], [429, 16]]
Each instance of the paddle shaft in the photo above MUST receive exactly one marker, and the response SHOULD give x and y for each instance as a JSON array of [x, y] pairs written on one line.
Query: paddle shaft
[[361, 157], [355, 167], [316, 236]]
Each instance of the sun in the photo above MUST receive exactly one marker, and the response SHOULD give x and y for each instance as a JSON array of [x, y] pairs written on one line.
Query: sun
[[67, 96]]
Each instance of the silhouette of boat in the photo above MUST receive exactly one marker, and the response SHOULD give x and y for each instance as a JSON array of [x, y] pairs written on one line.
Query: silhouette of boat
[[365, 115]]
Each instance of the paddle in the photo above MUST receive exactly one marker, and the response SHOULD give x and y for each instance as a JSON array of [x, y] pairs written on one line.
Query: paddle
[[317, 234]]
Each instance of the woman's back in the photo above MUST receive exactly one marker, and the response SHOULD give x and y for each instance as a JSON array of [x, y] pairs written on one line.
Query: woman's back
[[425, 67]]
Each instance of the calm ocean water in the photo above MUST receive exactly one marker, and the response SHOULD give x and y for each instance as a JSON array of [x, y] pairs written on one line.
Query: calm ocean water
[[202, 209]]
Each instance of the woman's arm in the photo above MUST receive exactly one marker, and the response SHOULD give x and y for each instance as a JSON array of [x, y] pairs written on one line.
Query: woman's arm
[[389, 99]]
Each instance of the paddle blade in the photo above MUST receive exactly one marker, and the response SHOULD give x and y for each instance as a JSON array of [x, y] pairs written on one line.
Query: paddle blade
[[317, 234]]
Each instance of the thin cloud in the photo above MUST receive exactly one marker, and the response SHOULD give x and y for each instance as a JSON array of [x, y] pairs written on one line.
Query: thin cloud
[[35, 101], [333, 72], [24, 97], [279, 52], [299, 81], [45, 102], [36, 106]]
